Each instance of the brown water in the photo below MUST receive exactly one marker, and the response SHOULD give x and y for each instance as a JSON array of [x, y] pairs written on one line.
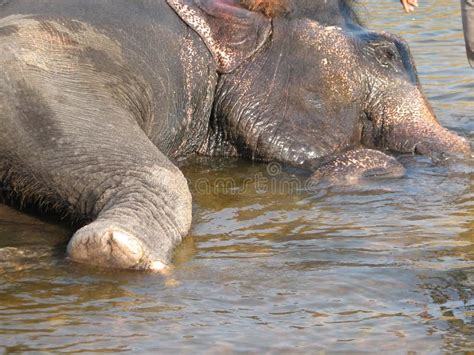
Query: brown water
[[383, 266]]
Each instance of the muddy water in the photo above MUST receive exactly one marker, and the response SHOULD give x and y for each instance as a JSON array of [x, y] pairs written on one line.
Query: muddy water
[[385, 265]]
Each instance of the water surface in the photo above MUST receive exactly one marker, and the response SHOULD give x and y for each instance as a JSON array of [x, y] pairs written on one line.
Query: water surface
[[382, 266]]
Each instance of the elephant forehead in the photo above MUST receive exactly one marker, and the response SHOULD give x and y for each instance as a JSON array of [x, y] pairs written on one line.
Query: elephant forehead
[[332, 41], [331, 55]]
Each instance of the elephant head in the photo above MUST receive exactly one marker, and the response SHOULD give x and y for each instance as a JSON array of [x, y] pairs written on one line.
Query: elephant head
[[302, 82]]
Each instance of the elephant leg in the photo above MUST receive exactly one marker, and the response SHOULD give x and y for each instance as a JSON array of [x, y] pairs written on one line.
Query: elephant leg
[[138, 203], [85, 154], [356, 164], [146, 215], [143, 210]]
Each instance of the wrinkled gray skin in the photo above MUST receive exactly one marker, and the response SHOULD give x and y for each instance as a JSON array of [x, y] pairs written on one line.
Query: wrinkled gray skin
[[99, 98]]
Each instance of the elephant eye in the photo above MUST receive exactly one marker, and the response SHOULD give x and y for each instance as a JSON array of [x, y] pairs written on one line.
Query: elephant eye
[[384, 53], [387, 56]]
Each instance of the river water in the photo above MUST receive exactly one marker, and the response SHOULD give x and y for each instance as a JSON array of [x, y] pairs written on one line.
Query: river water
[[270, 267]]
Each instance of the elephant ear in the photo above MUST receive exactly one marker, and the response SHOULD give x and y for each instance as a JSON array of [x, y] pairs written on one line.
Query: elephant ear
[[232, 32]]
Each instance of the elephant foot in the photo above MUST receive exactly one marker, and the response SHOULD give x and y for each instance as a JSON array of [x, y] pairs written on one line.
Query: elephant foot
[[111, 247], [357, 164]]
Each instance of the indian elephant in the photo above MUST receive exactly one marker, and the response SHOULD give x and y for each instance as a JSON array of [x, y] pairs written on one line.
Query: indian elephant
[[101, 98]]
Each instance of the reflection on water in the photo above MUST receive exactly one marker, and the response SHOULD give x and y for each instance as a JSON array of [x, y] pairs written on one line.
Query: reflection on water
[[386, 265]]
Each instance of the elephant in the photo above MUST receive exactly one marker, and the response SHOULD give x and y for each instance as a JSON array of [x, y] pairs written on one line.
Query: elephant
[[101, 100]]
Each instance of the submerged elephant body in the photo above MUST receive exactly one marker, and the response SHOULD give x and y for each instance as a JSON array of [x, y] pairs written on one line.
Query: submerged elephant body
[[98, 98]]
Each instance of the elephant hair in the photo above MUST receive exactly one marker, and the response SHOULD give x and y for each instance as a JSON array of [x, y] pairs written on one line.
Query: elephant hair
[[270, 8], [276, 8]]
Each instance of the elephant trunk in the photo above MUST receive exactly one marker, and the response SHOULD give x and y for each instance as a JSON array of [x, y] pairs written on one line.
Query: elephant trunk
[[406, 123]]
